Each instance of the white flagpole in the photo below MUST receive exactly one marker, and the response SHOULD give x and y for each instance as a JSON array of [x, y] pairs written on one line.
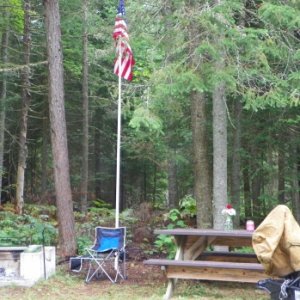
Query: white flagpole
[[118, 171]]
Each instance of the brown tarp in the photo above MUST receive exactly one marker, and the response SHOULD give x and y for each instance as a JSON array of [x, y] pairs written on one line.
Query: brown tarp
[[276, 242]]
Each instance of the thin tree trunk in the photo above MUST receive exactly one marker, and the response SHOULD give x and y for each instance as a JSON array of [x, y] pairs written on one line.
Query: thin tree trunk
[[281, 175], [172, 181], [202, 174], [247, 190], [4, 58], [271, 186], [154, 185], [26, 98], [145, 177], [97, 141], [85, 119], [236, 163], [256, 183], [59, 131]]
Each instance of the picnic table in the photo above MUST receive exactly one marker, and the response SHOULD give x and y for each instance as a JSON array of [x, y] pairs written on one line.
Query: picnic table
[[193, 261]]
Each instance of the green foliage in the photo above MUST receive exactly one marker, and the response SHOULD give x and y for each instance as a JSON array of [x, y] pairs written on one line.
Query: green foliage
[[187, 209], [188, 206], [281, 17], [25, 229], [98, 203], [40, 211], [175, 218], [100, 214], [175, 56], [127, 216], [143, 119], [12, 14], [246, 250], [165, 244], [83, 242], [175, 83]]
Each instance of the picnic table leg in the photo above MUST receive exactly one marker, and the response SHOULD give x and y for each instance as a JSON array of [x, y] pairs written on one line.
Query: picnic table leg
[[178, 256], [170, 289]]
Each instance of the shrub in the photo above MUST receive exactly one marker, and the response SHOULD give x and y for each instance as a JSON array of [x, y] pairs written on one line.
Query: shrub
[[25, 229]]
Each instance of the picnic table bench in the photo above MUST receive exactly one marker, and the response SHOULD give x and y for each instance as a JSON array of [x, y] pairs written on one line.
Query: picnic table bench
[[192, 261]]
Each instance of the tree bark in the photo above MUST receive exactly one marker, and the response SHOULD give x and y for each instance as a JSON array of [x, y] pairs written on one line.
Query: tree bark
[[295, 175], [220, 152], [58, 131], [236, 163], [202, 188], [26, 98], [4, 58], [281, 175], [202, 174], [247, 189], [97, 164], [85, 119], [45, 156], [172, 181], [219, 139], [256, 179]]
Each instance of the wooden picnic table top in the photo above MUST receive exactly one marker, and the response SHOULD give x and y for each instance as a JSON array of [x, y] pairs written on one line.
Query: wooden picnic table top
[[205, 232]]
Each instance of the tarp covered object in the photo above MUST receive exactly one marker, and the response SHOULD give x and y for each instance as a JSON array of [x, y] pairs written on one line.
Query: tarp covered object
[[276, 242]]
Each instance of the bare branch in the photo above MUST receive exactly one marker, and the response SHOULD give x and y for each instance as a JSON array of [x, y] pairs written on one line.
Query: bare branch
[[22, 67]]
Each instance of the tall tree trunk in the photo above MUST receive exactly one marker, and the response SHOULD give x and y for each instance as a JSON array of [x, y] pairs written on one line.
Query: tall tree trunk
[[202, 189], [236, 152], [247, 190], [85, 119], [236, 163], [202, 174], [172, 180], [26, 98], [271, 186], [295, 168], [281, 175], [219, 140], [295, 181], [256, 183], [145, 186], [220, 152], [4, 58], [97, 164], [154, 185], [59, 131], [45, 156]]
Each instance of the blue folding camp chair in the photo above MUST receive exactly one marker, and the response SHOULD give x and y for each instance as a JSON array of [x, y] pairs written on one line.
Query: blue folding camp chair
[[107, 256]]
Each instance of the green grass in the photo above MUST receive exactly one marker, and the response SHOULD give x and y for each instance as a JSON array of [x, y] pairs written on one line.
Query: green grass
[[66, 286]]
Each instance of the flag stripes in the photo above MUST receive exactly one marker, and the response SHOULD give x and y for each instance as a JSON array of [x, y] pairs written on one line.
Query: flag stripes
[[124, 61]]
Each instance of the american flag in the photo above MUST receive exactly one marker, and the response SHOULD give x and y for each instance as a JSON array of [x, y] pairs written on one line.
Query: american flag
[[123, 48]]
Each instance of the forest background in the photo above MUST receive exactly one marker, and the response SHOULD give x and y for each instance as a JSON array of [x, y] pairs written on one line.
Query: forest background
[[211, 116]]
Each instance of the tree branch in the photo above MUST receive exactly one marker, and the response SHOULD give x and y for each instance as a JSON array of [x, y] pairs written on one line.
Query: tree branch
[[22, 67]]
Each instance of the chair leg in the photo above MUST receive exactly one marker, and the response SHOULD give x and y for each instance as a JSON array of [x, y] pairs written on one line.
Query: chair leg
[[120, 267], [114, 258], [124, 265], [98, 268]]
